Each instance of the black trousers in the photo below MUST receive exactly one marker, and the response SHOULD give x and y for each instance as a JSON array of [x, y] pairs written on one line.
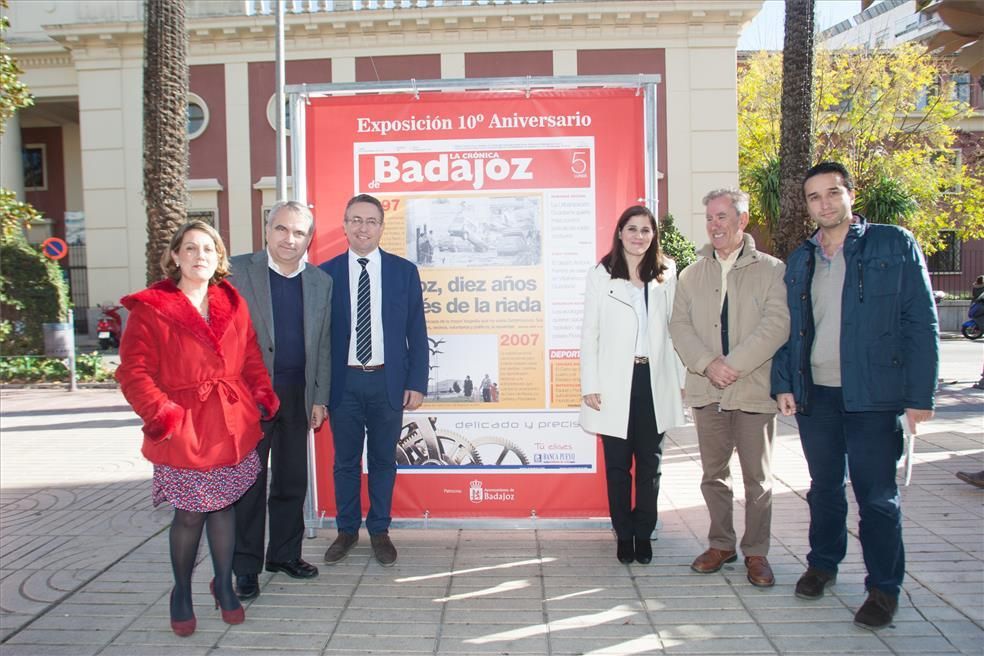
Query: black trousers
[[284, 445], [644, 443]]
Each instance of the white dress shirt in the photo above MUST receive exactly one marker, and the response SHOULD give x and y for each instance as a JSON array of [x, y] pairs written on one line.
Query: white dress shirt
[[374, 267], [276, 268], [638, 296]]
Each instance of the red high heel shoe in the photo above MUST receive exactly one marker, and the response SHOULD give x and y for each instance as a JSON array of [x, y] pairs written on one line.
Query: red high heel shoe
[[183, 628], [237, 616]]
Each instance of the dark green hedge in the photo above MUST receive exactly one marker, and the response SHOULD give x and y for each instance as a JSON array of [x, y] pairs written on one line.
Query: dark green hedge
[[32, 292], [674, 244]]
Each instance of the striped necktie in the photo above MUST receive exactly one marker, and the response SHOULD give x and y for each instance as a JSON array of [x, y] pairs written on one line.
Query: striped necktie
[[363, 325]]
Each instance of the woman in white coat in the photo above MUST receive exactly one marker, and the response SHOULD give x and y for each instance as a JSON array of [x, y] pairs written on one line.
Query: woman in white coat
[[630, 375]]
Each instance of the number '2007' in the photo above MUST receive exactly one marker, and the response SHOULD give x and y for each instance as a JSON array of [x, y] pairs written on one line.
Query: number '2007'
[[518, 340]]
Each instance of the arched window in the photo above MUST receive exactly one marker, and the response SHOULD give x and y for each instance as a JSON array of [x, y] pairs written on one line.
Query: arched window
[[271, 113], [197, 116]]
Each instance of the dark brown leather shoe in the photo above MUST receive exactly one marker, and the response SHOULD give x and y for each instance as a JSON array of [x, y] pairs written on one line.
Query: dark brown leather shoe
[[341, 547], [383, 549], [712, 560], [759, 572]]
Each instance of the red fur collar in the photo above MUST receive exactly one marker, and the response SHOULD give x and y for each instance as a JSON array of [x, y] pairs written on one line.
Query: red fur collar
[[171, 304]]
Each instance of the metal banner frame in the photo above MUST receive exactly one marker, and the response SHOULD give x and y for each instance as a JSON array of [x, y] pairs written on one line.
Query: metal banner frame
[[299, 96]]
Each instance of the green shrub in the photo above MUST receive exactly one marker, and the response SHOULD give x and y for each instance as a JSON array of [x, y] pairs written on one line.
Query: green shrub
[[27, 369], [89, 368], [674, 244], [886, 200]]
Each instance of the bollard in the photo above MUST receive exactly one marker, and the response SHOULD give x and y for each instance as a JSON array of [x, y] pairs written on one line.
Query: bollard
[[73, 383], [59, 342]]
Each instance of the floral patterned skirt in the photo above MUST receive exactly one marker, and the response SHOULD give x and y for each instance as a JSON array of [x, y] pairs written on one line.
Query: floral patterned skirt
[[204, 491]]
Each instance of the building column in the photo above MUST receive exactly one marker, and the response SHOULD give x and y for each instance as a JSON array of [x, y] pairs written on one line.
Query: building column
[[702, 142], [238, 185], [11, 166], [342, 69], [565, 62], [110, 136], [452, 65]]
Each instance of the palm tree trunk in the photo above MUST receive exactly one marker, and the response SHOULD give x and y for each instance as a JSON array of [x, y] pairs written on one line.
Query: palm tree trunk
[[165, 141], [796, 126]]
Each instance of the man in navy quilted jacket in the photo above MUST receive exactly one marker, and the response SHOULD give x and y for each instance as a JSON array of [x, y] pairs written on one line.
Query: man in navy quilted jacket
[[862, 357]]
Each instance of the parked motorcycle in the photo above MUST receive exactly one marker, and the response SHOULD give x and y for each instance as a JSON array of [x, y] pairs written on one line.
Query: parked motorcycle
[[110, 326], [973, 328]]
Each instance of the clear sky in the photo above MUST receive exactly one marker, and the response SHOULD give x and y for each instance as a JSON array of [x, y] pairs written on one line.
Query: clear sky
[[766, 31]]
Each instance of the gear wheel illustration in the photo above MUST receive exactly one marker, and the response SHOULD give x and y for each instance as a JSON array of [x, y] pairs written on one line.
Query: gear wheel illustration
[[499, 451], [423, 445]]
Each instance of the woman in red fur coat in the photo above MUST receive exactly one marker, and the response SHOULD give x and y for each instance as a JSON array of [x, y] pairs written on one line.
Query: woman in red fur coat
[[191, 368]]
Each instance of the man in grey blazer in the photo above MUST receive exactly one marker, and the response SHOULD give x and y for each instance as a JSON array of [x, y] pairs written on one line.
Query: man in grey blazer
[[290, 306]]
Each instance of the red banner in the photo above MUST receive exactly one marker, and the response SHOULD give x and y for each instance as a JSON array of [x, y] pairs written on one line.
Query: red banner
[[503, 201]]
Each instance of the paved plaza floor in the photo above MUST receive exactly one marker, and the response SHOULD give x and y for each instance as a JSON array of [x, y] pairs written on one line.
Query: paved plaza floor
[[84, 567]]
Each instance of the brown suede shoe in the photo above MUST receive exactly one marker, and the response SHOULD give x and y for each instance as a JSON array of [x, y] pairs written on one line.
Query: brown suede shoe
[[383, 549], [759, 572], [712, 560], [811, 585], [877, 611], [341, 547]]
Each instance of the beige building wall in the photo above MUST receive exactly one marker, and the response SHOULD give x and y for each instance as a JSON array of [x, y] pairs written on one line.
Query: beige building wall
[[98, 61]]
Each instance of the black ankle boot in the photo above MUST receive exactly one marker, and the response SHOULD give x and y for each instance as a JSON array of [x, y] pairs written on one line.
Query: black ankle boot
[[625, 552], [643, 551]]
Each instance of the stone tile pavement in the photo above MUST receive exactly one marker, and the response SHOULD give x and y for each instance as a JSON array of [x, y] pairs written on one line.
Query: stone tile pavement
[[84, 566]]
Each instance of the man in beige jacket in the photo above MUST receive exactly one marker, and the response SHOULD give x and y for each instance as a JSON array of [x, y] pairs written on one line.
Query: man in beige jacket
[[729, 318]]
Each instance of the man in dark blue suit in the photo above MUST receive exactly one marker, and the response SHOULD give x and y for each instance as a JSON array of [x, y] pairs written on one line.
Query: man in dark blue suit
[[379, 369]]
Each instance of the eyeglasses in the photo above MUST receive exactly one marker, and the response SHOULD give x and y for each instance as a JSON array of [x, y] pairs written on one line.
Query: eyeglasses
[[358, 222]]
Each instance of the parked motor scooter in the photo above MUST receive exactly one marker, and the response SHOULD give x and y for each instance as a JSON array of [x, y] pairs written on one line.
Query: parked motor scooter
[[973, 328], [110, 326]]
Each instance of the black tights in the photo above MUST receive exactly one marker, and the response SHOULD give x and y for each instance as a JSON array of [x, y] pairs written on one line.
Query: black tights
[[185, 534]]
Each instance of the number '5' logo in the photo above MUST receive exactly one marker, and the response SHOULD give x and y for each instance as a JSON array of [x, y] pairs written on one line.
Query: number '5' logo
[[579, 165]]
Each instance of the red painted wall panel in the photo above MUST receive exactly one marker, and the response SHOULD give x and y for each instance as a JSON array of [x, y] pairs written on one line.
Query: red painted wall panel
[[263, 138], [509, 64], [398, 67], [51, 201], [207, 153]]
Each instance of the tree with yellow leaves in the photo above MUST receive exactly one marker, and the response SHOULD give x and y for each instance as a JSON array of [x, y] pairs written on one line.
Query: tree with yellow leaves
[[888, 115]]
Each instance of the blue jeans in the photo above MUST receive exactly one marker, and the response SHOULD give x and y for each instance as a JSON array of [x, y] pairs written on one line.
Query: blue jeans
[[365, 414], [866, 444]]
